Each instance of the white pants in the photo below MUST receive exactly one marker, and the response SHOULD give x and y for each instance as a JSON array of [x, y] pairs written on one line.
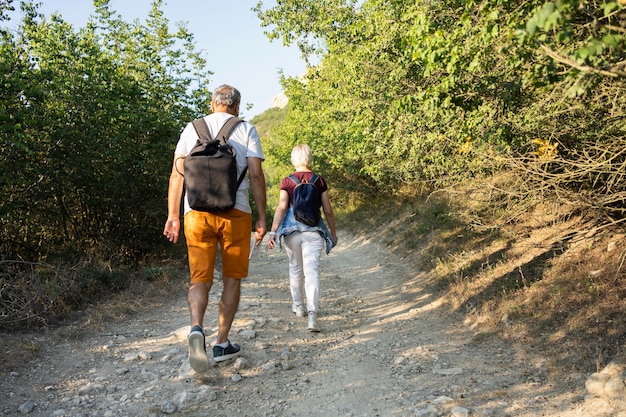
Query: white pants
[[304, 250]]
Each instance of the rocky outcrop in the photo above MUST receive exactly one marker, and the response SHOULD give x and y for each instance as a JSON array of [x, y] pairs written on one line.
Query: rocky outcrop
[[280, 100], [609, 384]]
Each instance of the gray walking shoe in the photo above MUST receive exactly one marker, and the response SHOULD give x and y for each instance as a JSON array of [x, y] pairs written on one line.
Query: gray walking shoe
[[299, 310], [312, 324]]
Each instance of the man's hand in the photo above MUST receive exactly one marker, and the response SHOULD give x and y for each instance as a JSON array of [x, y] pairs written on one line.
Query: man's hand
[[259, 233], [172, 229]]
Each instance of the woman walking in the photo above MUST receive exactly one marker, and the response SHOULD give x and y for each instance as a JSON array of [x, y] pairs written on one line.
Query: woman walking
[[303, 242]]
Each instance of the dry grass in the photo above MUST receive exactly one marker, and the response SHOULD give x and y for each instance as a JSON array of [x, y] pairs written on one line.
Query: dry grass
[[156, 287], [147, 287], [545, 280]]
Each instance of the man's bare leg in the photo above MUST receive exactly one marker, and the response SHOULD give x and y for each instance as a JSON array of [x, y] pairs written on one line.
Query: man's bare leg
[[198, 299], [229, 303]]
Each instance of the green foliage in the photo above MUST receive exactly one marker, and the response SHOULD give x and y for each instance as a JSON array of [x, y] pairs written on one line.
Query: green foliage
[[89, 119], [407, 93], [268, 120], [274, 168], [5, 6]]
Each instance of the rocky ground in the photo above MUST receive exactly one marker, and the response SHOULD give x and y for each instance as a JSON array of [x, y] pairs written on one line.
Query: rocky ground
[[389, 347]]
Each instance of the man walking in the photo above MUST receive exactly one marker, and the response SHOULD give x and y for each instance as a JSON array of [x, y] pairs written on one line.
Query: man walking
[[230, 229]]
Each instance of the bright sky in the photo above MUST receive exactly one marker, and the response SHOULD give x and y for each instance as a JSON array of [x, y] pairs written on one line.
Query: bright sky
[[228, 33]]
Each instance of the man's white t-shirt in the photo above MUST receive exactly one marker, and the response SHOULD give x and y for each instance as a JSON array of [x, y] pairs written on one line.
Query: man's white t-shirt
[[245, 139]]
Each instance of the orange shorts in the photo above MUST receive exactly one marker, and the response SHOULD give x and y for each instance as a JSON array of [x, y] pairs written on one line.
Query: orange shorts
[[204, 231]]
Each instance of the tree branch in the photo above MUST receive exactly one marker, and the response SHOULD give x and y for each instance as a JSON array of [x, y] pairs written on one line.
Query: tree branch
[[583, 68], [615, 28]]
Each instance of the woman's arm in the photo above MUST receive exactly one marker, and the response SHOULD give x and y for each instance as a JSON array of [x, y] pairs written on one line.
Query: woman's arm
[[330, 216], [279, 214]]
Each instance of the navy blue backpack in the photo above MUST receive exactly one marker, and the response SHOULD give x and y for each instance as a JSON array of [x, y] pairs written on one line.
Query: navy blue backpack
[[306, 201]]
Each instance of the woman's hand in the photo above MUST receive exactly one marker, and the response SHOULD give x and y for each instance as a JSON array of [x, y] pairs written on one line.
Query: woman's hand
[[271, 240]]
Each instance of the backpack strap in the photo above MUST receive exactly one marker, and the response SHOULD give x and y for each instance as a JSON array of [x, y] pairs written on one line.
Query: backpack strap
[[204, 135], [227, 129], [296, 181], [202, 129], [223, 135]]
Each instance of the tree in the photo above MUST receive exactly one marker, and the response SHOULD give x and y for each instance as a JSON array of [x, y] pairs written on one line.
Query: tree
[[441, 92], [88, 117]]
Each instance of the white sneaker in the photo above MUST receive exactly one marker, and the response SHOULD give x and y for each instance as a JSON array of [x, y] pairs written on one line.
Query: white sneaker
[[312, 325], [299, 310]]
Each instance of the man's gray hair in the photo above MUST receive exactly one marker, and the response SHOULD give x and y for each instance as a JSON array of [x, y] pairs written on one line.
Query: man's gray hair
[[226, 95]]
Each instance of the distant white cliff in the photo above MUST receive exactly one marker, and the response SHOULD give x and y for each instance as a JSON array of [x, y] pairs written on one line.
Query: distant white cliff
[[280, 100]]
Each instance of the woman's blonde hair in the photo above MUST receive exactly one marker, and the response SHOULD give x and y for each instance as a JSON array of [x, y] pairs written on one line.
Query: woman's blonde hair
[[301, 155]]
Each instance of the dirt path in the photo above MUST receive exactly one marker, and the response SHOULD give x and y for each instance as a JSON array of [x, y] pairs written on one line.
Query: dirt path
[[388, 347]]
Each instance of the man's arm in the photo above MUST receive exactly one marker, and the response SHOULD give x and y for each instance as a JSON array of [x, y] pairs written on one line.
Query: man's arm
[[257, 183], [174, 194]]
